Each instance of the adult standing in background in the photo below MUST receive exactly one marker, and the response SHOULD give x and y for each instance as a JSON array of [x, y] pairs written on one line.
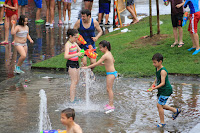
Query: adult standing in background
[[87, 26], [177, 19]]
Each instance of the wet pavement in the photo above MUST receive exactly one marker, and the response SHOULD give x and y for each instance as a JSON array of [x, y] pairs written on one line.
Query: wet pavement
[[135, 112]]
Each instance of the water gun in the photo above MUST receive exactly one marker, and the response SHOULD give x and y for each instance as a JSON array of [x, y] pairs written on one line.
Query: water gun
[[90, 52], [13, 22], [150, 88], [81, 39], [185, 18], [54, 131], [82, 51], [165, 1]]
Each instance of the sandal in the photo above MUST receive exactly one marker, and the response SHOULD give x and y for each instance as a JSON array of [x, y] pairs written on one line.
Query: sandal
[[180, 45], [174, 115], [161, 125], [173, 45]]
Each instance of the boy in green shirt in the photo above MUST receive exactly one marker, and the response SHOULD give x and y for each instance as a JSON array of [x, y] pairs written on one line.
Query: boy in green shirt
[[164, 89]]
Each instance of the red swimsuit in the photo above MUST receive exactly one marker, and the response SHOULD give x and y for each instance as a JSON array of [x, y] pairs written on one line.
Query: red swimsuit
[[10, 12]]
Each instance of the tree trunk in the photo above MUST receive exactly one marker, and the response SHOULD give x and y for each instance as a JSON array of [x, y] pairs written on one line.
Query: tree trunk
[[150, 19], [158, 17]]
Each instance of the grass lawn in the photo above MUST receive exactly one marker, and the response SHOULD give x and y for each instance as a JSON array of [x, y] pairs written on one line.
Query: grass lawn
[[133, 53]]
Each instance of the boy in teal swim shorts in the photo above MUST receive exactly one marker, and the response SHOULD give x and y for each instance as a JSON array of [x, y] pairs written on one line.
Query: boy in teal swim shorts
[[108, 61], [164, 89]]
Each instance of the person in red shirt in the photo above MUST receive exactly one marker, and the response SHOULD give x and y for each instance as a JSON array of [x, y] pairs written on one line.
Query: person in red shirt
[[11, 10]]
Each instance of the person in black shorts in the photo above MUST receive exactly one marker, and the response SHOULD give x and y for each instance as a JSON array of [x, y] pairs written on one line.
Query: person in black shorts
[[177, 18]]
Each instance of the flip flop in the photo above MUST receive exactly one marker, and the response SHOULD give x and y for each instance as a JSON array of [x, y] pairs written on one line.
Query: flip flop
[[3, 43], [161, 125], [173, 45], [175, 115], [180, 45]]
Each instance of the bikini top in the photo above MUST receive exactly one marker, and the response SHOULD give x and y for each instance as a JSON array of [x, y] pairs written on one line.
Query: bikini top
[[22, 33]]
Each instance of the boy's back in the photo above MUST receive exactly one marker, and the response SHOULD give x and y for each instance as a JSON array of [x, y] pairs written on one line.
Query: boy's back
[[165, 90]]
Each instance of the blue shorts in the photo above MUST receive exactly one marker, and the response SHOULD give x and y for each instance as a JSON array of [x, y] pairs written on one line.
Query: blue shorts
[[38, 3], [162, 100], [129, 2], [112, 73], [104, 8], [22, 2]]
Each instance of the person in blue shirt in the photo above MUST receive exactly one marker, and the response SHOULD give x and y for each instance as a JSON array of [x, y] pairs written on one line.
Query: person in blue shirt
[[194, 19], [86, 27]]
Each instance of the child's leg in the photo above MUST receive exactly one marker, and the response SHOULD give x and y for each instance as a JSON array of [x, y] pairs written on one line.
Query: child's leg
[[52, 6], [19, 10], [22, 50], [109, 83], [100, 17], [92, 61], [196, 40], [106, 17], [7, 25], [69, 10], [59, 10], [1, 14], [13, 17], [167, 107], [175, 35], [64, 10], [193, 41], [84, 61], [23, 10], [161, 113], [47, 11], [73, 72], [38, 13]]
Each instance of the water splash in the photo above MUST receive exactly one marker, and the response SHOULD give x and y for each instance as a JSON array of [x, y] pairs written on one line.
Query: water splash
[[44, 123]]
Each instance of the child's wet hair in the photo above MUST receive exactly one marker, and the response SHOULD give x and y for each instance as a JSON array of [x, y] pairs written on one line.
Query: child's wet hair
[[71, 32], [69, 112], [157, 57], [105, 43], [22, 20]]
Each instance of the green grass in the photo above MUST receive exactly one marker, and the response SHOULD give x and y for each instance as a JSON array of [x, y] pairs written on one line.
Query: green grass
[[134, 60]]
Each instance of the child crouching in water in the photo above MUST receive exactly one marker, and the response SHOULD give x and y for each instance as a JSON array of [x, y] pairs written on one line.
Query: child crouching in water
[[67, 119], [164, 89], [108, 60]]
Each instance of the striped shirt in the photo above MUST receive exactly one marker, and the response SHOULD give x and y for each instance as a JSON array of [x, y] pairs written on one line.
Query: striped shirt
[[72, 50]]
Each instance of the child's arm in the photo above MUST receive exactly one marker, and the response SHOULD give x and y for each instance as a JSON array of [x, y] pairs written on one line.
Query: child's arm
[[66, 55], [79, 49], [98, 28], [99, 62], [14, 28], [29, 37], [11, 7], [163, 74], [180, 5]]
